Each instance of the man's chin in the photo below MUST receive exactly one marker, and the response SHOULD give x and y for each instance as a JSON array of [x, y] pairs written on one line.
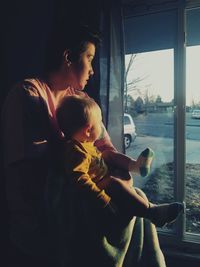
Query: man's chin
[[81, 87]]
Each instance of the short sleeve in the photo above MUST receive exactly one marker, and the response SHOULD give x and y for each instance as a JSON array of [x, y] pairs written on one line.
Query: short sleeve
[[104, 142], [25, 124]]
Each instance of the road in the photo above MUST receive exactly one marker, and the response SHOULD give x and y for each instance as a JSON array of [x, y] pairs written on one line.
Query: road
[[162, 125]]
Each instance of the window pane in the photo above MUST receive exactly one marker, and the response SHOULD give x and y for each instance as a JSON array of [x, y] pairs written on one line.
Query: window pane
[[149, 99], [193, 122]]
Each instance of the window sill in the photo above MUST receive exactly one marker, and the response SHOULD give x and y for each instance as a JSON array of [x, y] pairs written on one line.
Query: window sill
[[176, 253], [187, 249]]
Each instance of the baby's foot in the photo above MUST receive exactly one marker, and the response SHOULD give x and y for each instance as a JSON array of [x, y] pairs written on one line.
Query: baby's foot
[[144, 162], [164, 214]]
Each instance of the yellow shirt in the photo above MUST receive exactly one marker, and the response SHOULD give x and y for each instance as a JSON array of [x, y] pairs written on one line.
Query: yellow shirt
[[85, 167]]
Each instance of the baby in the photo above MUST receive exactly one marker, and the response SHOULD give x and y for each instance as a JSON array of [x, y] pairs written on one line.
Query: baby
[[96, 173]]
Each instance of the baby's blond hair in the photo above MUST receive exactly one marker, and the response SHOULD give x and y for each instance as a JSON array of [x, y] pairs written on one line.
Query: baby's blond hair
[[73, 113]]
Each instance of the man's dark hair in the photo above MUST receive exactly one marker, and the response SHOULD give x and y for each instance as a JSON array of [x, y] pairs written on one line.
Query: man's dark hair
[[73, 38]]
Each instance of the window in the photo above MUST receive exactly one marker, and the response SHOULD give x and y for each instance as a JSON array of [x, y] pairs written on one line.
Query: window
[[151, 89], [162, 94], [193, 121], [127, 120]]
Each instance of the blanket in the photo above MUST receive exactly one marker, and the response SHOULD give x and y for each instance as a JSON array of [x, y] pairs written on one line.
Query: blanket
[[81, 236]]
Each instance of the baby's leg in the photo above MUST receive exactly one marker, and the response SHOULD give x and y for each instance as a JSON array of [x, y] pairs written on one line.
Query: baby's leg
[[124, 196], [131, 203], [143, 163], [122, 175]]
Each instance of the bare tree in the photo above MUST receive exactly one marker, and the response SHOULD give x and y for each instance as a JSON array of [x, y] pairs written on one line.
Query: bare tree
[[195, 104], [133, 56], [132, 85]]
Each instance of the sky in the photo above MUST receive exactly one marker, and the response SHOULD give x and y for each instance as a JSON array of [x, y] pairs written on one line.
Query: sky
[[156, 69], [193, 74]]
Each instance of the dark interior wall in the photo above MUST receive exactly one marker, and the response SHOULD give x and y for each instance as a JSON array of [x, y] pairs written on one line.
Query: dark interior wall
[[25, 26]]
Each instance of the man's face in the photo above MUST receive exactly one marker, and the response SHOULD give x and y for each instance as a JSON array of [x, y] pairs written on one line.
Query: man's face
[[82, 69]]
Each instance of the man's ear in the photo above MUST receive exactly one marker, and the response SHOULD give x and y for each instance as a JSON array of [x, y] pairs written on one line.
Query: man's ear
[[66, 56]]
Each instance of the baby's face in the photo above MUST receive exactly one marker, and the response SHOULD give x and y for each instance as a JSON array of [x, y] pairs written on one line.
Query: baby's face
[[96, 123]]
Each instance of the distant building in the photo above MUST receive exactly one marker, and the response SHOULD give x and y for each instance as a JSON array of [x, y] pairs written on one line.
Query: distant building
[[159, 107]]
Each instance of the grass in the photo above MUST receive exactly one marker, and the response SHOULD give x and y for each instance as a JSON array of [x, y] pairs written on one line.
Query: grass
[[159, 189]]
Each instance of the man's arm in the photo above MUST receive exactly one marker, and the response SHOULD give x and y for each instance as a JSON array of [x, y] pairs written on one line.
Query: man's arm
[[112, 156], [104, 142]]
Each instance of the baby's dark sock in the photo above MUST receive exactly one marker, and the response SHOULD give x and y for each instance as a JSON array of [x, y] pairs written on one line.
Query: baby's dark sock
[[144, 162], [164, 214]]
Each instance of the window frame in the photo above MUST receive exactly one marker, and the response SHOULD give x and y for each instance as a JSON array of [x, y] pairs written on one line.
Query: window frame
[[186, 242]]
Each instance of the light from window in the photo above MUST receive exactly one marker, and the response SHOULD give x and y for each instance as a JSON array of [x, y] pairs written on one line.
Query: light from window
[[149, 98]]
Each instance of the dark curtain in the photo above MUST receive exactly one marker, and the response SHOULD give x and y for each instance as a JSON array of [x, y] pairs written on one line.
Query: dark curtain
[[112, 71]]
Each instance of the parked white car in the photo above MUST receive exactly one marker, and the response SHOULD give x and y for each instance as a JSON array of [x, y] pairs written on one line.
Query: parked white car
[[129, 130], [196, 114]]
